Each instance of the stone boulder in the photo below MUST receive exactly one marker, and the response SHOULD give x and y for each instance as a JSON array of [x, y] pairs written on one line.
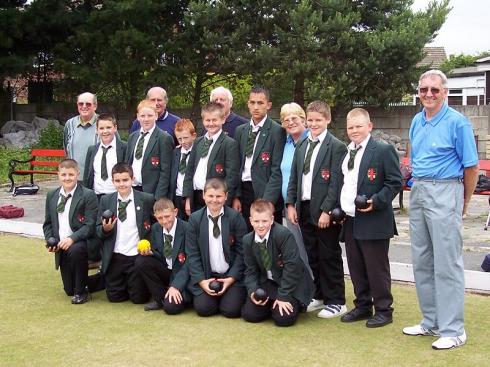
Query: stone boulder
[[15, 126], [20, 134]]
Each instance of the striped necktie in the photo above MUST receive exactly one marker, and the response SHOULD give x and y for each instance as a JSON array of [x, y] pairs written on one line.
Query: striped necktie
[[139, 147], [264, 254], [311, 148]]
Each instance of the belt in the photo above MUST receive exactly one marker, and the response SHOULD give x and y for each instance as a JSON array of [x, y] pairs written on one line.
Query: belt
[[438, 180]]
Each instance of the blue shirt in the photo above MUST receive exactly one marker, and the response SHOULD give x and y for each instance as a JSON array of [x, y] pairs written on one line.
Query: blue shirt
[[287, 161], [166, 122], [443, 146]]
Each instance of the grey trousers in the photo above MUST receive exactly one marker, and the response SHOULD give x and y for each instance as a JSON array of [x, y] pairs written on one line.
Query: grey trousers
[[436, 209]]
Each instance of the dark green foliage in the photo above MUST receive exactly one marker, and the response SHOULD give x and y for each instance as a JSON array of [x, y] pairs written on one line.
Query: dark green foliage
[[51, 137]]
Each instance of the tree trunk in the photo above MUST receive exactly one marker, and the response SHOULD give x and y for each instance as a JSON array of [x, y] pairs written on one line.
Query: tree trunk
[[299, 90], [196, 103]]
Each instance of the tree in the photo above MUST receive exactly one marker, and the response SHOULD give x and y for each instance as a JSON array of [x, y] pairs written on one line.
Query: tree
[[461, 61]]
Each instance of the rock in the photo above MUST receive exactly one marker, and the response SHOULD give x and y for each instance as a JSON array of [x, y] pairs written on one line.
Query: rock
[[15, 126], [40, 123]]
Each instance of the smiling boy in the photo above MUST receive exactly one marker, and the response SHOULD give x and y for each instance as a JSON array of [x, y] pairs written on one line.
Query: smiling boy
[[313, 191], [215, 155], [272, 263], [70, 218]]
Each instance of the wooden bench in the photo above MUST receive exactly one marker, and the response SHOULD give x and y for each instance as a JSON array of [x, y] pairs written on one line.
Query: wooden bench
[[49, 158]]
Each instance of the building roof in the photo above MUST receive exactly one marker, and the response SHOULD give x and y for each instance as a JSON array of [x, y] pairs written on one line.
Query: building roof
[[434, 57]]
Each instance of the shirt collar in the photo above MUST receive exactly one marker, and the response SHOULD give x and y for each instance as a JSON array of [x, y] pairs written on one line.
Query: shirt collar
[[266, 237], [222, 211], [215, 136], [130, 196], [111, 144], [163, 116], [363, 144], [435, 119], [149, 131], [64, 193], [91, 122], [320, 137], [290, 140], [260, 124], [172, 230], [185, 151]]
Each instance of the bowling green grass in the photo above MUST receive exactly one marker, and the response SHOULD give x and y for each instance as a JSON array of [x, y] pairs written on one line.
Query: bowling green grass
[[39, 327]]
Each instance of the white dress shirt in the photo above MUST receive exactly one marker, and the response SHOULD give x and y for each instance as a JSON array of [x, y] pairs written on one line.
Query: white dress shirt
[[202, 167], [266, 238], [101, 186], [180, 176], [216, 254], [64, 218], [172, 233], [308, 178], [127, 235], [349, 189], [247, 166], [138, 163]]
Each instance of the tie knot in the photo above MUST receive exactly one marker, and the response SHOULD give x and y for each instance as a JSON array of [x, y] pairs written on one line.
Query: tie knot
[[168, 237], [65, 197], [123, 204], [214, 219], [262, 243], [144, 133], [105, 149]]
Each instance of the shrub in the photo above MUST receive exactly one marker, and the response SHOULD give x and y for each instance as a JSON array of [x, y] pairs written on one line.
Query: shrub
[[51, 137]]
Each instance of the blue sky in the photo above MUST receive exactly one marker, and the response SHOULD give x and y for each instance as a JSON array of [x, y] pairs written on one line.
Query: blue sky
[[467, 27]]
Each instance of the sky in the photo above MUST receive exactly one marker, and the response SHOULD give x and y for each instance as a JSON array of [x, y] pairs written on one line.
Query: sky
[[467, 27]]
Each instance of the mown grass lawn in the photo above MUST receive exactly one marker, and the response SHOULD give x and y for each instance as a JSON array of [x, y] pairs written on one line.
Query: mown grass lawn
[[39, 327]]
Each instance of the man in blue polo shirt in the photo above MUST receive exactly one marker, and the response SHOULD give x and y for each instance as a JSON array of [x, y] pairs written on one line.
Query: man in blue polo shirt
[[445, 170], [224, 97], [166, 121]]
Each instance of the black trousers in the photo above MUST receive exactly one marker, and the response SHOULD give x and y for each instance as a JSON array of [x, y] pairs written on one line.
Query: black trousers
[[198, 201], [248, 197], [74, 268], [179, 203], [123, 282], [254, 313], [369, 268], [325, 258], [229, 304]]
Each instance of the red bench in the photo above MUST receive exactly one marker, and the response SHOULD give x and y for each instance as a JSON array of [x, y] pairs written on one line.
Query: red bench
[[47, 165]]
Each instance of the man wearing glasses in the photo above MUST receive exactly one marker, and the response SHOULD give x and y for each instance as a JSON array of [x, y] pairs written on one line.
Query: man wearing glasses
[[80, 131], [445, 170]]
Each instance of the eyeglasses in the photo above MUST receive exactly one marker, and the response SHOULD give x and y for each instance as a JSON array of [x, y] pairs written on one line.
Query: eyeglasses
[[86, 104], [434, 91]]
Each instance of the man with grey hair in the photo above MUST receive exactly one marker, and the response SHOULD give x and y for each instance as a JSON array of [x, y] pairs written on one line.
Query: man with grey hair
[[224, 97], [445, 172], [166, 121], [80, 131]]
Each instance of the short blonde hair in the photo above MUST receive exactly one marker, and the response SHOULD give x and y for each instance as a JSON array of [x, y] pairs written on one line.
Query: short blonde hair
[[146, 104], [358, 112], [292, 109]]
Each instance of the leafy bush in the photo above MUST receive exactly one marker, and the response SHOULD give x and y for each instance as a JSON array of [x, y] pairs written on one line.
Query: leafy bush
[[51, 137], [123, 134]]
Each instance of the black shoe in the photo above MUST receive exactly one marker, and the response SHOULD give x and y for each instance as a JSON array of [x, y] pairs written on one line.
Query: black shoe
[[153, 306], [379, 320], [79, 299], [356, 314]]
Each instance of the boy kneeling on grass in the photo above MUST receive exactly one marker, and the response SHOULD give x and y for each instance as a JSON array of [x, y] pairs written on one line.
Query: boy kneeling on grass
[[273, 265], [163, 267], [70, 216]]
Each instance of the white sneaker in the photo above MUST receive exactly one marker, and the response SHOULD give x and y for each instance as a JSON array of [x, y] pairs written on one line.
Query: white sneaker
[[449, 342], [314, 305], [330, 311], [420, 330]]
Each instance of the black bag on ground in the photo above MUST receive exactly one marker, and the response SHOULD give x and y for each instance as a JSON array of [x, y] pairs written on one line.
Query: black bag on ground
[[483, 184], [27, 189]]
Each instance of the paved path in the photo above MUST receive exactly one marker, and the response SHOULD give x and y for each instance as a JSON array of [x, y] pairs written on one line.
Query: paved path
[[476, 239]]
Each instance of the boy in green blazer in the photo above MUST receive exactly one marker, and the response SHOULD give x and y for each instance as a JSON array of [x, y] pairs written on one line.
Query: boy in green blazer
[[313, 191], [272, 263], [149, 152], [215, 255], [214, 155], [261, 143], [372, 169], [120, 234], [70, 216], [102, 156], [163, 266]]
